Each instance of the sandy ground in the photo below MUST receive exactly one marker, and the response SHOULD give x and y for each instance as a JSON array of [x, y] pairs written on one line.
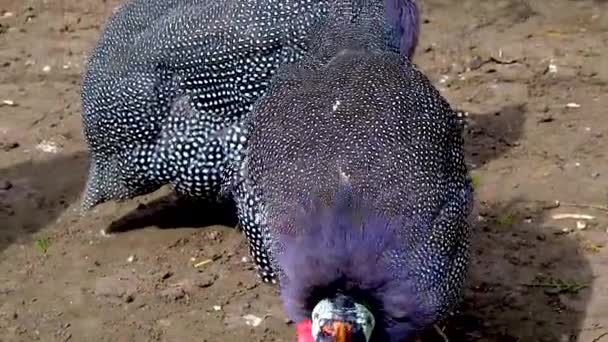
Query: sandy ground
[[532, 74]]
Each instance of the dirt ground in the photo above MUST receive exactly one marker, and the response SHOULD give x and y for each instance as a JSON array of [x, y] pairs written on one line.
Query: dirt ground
[[532, 74]]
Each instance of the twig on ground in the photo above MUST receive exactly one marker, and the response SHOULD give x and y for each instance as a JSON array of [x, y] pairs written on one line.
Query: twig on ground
[[572, 216]]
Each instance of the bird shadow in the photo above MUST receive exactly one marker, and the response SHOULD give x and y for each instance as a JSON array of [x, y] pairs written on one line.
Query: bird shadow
[[34, 194], [529, 281], [171, 211], [489, 136]]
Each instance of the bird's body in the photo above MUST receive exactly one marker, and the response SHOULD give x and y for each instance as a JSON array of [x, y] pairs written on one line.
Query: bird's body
[[355, 184], [169, 81]]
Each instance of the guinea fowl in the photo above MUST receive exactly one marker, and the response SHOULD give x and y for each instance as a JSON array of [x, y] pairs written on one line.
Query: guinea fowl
[[353, 189]]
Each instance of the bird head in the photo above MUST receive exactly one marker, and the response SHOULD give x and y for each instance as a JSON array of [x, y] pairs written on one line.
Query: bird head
[[338, 319]]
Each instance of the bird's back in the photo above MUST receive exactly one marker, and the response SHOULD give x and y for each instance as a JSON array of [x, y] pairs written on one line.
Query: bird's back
[[369, 117]]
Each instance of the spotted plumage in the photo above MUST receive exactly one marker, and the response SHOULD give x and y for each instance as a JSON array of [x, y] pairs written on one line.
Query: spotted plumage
[[354, 184], [169, 81]]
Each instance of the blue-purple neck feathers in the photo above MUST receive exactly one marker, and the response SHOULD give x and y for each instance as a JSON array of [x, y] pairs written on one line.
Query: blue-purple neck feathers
[[403, 26], [347, 248]]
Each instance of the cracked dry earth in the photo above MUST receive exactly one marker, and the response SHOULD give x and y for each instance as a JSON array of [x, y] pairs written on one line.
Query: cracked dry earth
[[532, 74]]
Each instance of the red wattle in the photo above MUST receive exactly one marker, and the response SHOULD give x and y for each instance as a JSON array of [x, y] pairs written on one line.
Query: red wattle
[[305, 332]]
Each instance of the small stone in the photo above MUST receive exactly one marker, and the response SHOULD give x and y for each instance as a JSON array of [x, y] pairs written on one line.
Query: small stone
[[48, 147], [205, 280], [546, 117], [164, 322], [580, 225], [252, 320], [217, 308], [476, 63], [47, 68], [131, 258], [5, 185], [10, 146], [115, 287], [176, 292]]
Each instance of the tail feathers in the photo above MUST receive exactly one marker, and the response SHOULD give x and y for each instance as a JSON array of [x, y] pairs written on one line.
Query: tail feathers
[[91, 196], [117, 178], [102, 184]]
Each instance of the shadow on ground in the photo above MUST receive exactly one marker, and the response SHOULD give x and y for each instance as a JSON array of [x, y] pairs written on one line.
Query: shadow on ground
[[35, 194], [524, 273], [489, 136], [172, 212]]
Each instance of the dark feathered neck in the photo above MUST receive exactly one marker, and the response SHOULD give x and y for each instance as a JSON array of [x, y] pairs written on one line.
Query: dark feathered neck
[[402, 26], [370, 25], [346, 247]]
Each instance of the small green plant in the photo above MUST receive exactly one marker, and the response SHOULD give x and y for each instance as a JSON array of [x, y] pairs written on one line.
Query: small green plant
[[475, 180], [43, 244], [558, 286], [506, 220]]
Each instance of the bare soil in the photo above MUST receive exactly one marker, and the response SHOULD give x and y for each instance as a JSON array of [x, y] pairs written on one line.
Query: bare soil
[[532, 74]]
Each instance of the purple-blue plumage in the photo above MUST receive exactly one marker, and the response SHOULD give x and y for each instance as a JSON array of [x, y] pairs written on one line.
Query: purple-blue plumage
[[352, 255], [354, 176], [403, 20]]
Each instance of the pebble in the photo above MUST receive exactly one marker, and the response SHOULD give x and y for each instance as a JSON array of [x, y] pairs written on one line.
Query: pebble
[[580, 225], [205, 280], [48, 147], [175, 292], [252, 320], [552, 67], [10, 146], [5, 185], [115, 287]]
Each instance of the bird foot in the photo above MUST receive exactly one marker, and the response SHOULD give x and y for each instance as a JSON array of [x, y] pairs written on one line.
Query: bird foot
[[441, 333]]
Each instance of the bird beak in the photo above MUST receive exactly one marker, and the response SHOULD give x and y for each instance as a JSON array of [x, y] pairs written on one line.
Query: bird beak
[[341, 331]]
